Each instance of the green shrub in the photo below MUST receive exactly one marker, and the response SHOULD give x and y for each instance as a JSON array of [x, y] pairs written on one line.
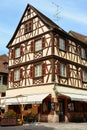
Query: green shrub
[[10, 113]]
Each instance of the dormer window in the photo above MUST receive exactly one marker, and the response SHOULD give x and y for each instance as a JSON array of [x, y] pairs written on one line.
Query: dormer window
[[28, 27], [5, 65]]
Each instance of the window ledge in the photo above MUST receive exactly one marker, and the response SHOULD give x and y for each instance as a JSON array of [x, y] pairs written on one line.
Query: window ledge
[[63, 77]]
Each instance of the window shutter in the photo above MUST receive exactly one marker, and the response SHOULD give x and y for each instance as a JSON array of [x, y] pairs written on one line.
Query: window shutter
[[31, 71], [11, 76], [43, 42], [79, 50], [43, 68], [86, 53], [21, 74], [32, 46], [81, 74], [21, 50], [12, 53], [67, 45], [57, 37], [58, 68], [68, 71]]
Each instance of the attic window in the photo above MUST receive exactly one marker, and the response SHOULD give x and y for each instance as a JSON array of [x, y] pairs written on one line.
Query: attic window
[[28, 12], [28, 27]]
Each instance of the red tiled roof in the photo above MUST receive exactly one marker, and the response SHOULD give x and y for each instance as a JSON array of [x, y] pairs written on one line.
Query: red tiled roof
[[3, 62]]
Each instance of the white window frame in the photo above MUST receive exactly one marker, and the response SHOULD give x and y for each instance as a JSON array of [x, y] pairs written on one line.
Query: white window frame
[[17, 75], [84, 75], [38, 45], [38, 70], [17, 52], [63, 70], [62, 45], [83, 53]]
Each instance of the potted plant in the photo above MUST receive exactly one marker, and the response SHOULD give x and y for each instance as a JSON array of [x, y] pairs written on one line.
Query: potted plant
[[9, 118]]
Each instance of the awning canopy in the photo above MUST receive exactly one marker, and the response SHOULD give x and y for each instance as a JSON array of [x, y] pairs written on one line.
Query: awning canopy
[[75, 97], [72, 93], [24, 99]]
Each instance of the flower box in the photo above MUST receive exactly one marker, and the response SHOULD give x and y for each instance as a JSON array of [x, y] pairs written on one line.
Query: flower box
[[8, 121], [9, 118]]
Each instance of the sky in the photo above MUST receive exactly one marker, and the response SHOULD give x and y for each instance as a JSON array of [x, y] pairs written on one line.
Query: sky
[[68, 14]]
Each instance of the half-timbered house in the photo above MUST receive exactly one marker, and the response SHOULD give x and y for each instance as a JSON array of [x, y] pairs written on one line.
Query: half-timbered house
[[3, 74], [47, 70], [3, 79]]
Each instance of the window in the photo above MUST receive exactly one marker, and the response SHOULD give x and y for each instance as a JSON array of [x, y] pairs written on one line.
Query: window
[[5, 80], [62, 44], [16, 75], [84, 75], [28, 11], [38, 45], [38, 70], [27, 106], [3, 94], [6, 66], [83, 53], [28, 27], [63, 71], [17, 52], [0, 80], [71, 106]]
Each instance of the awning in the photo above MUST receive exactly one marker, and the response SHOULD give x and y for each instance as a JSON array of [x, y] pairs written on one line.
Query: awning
[[75, 97], [24, 99], [72, 93]]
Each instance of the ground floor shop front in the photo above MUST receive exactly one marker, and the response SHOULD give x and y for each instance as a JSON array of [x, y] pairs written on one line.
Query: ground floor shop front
[[49, 105]]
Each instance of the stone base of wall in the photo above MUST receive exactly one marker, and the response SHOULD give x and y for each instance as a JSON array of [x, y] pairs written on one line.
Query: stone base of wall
[[53, 118], [49, 118]]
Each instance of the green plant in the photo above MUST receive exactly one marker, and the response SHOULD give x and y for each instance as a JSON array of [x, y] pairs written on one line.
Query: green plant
[[10, 113]]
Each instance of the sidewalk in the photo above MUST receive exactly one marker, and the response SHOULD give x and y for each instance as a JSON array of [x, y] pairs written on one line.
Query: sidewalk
[[65, 126], [48, 126]]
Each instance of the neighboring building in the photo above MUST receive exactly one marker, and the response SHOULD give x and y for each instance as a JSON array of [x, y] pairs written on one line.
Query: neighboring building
[[3, 74], [47, 70]]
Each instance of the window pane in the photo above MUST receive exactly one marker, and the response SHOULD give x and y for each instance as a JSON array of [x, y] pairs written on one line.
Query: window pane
[[17, 52], [84, 74], [16, 75], [83, 53], [28, 27], [0, 80], [38, 45], [38, 70], [63, 70], [61, 44]]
